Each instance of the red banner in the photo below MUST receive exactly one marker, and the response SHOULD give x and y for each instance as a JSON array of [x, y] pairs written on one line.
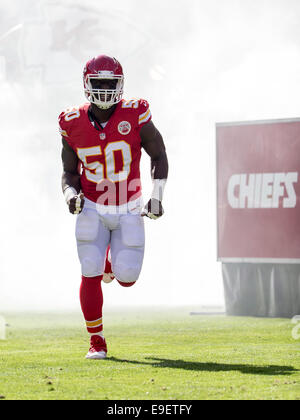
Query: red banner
[[258, 191]]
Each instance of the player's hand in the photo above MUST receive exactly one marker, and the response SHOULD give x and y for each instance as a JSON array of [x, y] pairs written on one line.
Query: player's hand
[[76, 204], [153, 209]]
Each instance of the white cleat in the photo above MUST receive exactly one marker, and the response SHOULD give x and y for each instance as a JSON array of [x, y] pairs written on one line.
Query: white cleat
[[100, 355], [98, 349]]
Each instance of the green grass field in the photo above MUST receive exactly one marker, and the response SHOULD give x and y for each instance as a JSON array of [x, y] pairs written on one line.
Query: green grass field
[[154, 355]]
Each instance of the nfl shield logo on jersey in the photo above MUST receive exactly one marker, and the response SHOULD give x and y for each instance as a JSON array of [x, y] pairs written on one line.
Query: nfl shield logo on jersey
[[102, 136], [124, 127]]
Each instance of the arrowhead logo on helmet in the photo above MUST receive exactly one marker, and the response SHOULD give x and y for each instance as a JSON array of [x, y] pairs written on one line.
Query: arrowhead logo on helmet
[[103, 68]]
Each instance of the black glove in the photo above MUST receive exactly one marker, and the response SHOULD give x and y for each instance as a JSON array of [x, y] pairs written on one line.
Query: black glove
[[76, 204], [153, 209]]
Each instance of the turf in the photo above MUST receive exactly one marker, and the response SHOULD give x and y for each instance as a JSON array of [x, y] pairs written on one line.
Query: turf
[[153, 354]]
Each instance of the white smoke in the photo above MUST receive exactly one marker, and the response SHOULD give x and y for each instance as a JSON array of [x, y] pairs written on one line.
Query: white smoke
[[197, 62]]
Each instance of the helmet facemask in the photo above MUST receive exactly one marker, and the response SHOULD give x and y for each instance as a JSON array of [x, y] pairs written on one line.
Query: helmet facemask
[[104, 98]]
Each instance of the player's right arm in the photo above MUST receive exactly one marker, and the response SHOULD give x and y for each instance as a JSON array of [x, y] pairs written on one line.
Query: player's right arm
[[71, 179]]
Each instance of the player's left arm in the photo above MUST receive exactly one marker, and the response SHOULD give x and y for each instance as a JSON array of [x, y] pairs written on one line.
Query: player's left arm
[[152, 142]]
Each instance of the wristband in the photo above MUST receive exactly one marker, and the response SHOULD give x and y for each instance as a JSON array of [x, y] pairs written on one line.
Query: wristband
[[158, 188], [69, 193]]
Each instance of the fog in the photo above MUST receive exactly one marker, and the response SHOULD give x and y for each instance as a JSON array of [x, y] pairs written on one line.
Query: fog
[[197, 62]]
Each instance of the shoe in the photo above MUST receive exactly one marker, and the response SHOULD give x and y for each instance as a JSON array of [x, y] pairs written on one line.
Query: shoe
[[108, 275], [98, 349]]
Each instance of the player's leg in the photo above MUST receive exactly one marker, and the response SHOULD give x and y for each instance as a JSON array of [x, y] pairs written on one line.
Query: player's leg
[[92, 241], [127, 249]]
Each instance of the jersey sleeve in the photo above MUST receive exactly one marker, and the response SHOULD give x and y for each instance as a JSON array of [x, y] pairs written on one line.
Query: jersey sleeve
[[144, 113], [62, 126], [67, 123]]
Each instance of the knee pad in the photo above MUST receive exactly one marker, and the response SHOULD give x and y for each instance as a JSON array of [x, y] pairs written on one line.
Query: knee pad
[[91, 260], [126, 274], [90, 267]]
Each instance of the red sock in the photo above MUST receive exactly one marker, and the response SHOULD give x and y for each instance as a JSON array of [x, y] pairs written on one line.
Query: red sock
[[126, 284], [91, 300]]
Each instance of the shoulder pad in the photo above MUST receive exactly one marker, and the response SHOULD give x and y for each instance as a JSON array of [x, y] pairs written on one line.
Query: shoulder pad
[[67, 118], [141, 110], [130, 104], [144, 112]]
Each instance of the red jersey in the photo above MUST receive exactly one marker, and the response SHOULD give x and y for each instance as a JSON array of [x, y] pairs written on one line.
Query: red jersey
[[110, 156]]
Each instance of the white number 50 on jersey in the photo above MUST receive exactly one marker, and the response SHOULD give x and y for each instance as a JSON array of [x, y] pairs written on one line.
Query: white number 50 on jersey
[[94, 171]]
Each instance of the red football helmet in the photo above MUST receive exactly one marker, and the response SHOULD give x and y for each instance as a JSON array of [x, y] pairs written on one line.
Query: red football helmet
[[103, 68]]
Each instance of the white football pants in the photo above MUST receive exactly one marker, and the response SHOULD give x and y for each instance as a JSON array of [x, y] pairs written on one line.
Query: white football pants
[[126, 236]]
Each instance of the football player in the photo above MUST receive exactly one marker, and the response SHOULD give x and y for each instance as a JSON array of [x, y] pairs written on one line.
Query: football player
[[101, 150]]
